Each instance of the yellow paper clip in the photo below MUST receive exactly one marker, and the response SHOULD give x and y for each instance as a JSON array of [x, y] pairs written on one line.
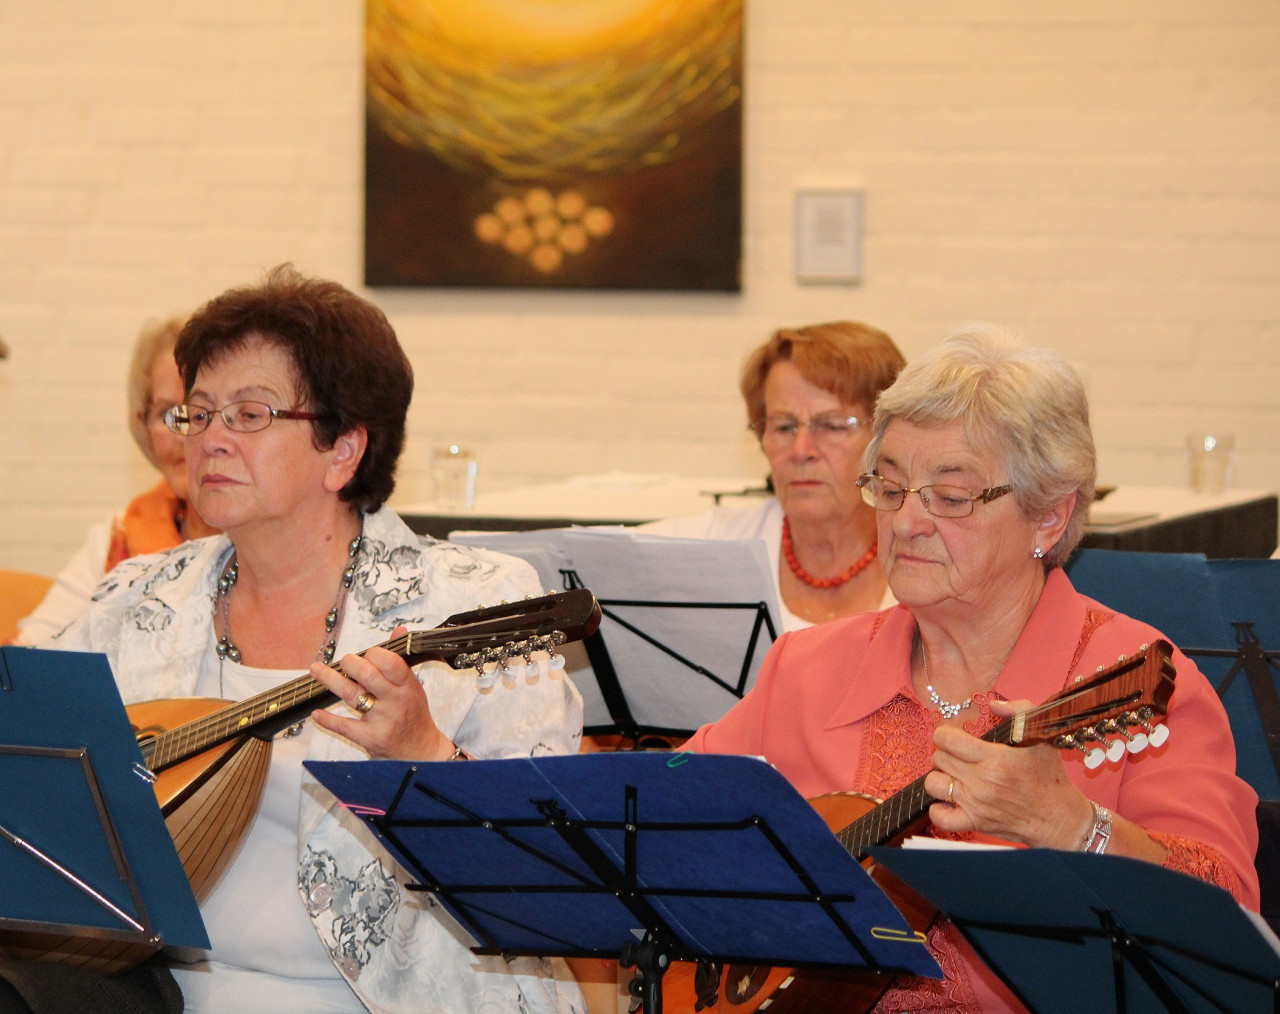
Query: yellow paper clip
[[897, 936]]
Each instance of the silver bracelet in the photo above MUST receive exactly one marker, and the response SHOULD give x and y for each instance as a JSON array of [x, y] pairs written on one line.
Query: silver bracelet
[[1100, 833], [458, 754]]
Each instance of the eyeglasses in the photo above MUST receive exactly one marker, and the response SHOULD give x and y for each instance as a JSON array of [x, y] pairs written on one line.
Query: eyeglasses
[[825, 428], [241, 416], [155, 414], [940, 501]]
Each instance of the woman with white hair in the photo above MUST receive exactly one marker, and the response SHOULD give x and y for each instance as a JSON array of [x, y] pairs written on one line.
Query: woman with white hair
[[981, 468]]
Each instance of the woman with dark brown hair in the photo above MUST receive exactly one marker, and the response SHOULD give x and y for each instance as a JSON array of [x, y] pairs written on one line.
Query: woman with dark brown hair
[[293, 419]]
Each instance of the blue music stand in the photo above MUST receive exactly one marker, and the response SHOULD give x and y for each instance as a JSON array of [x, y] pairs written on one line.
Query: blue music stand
[[709, 857], [84, 850], [1070, 931]]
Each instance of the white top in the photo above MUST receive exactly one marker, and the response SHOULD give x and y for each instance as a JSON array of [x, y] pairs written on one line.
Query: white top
[[72, 588], [759, 521], [254, 920], [309, 865]]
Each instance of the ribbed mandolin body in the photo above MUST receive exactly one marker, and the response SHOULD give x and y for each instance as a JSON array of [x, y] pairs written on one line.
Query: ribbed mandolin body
[[208, 801], [211, 756]]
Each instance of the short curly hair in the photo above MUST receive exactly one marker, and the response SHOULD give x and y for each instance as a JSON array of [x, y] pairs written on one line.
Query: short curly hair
[[1024, 404], [350, 364], [853, 361]]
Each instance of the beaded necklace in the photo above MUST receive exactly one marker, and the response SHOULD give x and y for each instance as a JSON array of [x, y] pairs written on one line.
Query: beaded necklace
[[789, 553], [226, 647]]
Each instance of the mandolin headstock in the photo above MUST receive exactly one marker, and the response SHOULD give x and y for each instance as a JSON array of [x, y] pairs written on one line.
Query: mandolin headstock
[[1106, 715], [508, 630]]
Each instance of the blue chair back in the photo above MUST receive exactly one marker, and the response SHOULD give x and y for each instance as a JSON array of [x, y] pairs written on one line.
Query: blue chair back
[[1201, 606]]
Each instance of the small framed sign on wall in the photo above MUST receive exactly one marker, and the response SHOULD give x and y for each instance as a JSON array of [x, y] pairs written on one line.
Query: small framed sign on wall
[[829, 236]]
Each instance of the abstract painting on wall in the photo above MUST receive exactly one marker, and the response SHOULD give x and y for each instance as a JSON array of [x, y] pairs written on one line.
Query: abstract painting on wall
[[554, 143]]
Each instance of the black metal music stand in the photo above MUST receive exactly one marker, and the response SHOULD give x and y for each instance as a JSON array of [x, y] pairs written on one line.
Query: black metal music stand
[[645, 856], [83, 846], [621, 718], [686, 623], [1069, 931]]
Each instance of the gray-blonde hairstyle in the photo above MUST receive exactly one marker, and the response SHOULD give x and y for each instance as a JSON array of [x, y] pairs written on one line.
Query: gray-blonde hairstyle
[[1025, 405], [156, 339]]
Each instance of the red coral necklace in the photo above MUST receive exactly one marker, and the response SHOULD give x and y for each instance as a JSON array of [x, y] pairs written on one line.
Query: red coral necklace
[[789, 553]]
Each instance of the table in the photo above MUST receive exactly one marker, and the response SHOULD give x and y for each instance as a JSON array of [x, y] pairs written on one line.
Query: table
[[612, 498], [1232, 524]]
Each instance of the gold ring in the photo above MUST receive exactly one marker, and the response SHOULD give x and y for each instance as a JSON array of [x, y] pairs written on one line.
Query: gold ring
[[364, 702], [951, 793]]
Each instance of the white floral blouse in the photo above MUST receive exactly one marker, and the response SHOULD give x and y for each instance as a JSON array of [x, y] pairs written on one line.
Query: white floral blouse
[[398, 950]]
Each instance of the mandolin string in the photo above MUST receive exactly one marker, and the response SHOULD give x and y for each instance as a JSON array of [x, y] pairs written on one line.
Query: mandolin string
[[885, 821], [199, 734], [889, 819], [202, 733], [195, 736]]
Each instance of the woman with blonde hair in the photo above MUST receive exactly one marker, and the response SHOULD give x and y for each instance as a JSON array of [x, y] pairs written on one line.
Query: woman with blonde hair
[[155, 520]]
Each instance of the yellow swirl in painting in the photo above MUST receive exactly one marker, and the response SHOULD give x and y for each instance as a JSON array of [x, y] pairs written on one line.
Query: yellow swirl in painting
[[535, 89]]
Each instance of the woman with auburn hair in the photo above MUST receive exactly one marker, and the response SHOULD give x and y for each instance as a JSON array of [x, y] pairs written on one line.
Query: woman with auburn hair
[[809, 393]]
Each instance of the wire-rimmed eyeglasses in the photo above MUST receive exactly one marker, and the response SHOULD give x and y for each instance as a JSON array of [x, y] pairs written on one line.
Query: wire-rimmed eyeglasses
[[825, 427], [940, 500], [240, 416]]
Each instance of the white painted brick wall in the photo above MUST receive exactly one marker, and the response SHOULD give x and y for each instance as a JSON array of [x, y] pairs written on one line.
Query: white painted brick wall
[[1104, 174]]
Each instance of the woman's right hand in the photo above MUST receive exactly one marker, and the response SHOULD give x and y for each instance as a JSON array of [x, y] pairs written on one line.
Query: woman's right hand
[[396, 721], [1020, 794]]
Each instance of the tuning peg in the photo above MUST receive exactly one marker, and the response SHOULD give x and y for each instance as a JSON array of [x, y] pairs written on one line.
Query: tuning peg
[[486, 675], [505, 654], [1156, 733], [1133, 742], [1093, 755]]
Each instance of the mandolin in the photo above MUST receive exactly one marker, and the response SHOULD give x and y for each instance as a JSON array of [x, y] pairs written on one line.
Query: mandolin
[[210, 757], [1106, 716]]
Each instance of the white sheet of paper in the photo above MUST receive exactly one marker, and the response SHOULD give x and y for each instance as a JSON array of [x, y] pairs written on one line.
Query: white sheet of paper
[[676, 580]]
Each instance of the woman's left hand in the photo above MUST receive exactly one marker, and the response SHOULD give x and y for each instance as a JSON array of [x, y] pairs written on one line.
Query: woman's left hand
[[1020, 794], [393, 720]]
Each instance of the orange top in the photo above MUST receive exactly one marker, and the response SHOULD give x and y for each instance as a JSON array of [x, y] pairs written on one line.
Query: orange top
[[149, 525]]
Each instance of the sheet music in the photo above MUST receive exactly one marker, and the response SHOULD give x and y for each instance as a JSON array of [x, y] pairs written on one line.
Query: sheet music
[[624, 565]]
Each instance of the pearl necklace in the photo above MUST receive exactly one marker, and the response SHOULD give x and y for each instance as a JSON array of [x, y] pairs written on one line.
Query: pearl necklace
[[226, 647], [948, 709], [789, 553]]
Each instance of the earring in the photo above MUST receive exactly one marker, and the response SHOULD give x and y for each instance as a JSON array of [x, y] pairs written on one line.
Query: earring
[[1039, 553]]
